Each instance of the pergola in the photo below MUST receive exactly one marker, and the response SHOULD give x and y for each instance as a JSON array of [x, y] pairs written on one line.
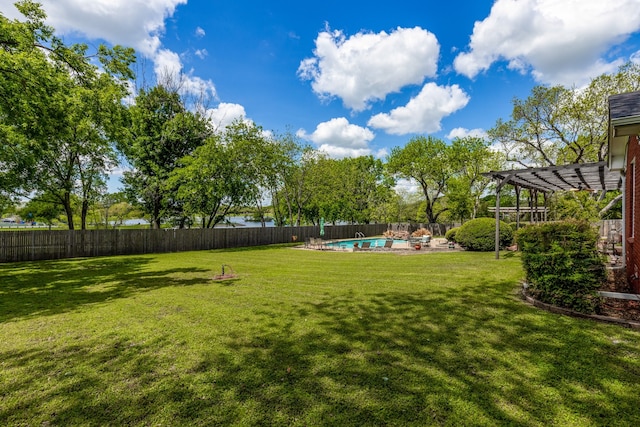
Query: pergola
[[575, 177]]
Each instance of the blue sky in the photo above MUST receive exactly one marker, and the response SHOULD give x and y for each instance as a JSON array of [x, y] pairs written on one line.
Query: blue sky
[[361, 77]]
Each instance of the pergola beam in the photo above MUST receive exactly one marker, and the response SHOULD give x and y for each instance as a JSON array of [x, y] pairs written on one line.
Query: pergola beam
[[588, 176]]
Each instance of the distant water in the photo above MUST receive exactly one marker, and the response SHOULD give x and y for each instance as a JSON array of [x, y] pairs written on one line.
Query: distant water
[[238, 221]]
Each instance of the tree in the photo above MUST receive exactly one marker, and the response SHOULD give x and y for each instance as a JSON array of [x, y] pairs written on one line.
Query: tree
[[348, 189], [162, 132], [55, 107], [297, 189], [470, 157], [558, 125], [427, 161], [287, 154], [79, 155], [210, 182], [43, 208], [259, 161]]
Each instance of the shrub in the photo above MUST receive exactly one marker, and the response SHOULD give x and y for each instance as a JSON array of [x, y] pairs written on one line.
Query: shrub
[[480, 234], [562, 264], [450, 235], [515, 226]]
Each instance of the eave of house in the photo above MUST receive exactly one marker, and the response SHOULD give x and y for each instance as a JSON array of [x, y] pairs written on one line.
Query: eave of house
[[624, 121]]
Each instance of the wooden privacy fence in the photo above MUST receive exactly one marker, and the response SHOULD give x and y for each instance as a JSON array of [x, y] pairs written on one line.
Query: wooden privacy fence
[[35, 245]]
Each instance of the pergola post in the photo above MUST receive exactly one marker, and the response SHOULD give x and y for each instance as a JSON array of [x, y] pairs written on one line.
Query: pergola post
[[502, 182], [517, 187], [498, 187]]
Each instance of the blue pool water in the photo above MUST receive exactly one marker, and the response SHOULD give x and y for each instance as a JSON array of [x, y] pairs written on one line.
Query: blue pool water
[[375, 242]]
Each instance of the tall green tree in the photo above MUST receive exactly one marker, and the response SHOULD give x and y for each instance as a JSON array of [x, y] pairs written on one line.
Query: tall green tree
[[470, 157], [260, 161], [55, 110], [212, 180], [426, 161], [360, 186], [161, 133], [559, 125], [298, 185], [287, 153]]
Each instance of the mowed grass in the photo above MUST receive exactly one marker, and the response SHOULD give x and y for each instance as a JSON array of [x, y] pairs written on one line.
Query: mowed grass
[[302, 338]]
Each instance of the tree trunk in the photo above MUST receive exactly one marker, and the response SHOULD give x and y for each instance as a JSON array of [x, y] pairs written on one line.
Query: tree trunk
[[83, 214], [611, 204], [68, 210]]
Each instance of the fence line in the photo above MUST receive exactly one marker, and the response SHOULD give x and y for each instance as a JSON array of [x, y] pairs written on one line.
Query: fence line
[[33, 245]]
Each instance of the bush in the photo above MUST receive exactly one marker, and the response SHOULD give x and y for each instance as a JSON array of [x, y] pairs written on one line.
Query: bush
[[450, 235], [480, 234], [562, 264]]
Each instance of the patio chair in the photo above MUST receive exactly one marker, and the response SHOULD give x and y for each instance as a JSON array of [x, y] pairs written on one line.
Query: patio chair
[[313, 242], [388, 244], [366, 245]]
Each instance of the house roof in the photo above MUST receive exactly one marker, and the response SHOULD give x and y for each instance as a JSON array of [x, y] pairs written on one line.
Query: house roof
[[624, 120], [624, 106], [578, 176]]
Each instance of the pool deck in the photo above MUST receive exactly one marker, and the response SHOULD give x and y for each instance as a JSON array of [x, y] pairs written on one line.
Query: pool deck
[[435, 245]]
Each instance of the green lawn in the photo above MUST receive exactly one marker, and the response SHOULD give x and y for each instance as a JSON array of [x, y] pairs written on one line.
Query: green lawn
[[302, 338]]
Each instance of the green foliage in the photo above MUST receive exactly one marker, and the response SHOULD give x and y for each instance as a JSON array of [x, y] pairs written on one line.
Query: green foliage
[[450, 235], [558, 125], [427, 161], [562, 264], [162, 132], [42, 209], [59, 112], [479, 234], [580, 205], [210, 181]]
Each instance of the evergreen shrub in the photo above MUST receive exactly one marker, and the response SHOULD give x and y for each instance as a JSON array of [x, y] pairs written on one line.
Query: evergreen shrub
[[480, 234], [450, 235], [562, 264]]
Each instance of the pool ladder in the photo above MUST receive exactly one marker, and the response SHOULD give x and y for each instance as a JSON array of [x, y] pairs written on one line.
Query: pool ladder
[[359, 235]]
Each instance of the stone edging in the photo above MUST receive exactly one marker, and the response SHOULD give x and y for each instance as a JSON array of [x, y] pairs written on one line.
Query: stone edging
[[565, 311]]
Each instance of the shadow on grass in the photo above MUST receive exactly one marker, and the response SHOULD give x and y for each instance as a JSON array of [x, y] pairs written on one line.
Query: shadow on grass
[[51, 287], [473, 356], [453, 357]]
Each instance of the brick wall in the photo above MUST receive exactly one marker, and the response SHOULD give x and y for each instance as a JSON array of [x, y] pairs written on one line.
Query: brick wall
[[632, 213]]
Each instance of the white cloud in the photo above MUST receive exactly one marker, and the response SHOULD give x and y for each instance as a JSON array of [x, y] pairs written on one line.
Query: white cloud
[[135, 23], [200, 32], [367, 67], [339, 138], [201, 53], [423, 113], [167, 64], [463, 133], [559, 42], [224, 114]]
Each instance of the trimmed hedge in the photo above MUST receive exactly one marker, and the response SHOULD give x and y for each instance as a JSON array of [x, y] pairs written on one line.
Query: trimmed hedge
[[480, 234], [450, 235], [562, 264]]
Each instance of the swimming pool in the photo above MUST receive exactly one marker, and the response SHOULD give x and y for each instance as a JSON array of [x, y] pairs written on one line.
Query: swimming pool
[[375, 243]]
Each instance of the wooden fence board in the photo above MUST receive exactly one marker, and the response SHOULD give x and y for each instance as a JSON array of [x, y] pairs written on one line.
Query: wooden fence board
[[34, 245]]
